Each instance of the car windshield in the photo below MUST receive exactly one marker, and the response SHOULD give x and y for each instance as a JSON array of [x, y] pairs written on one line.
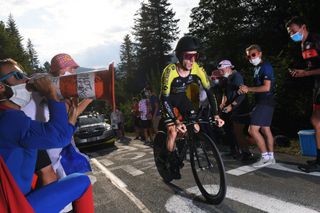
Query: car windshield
[[90, 120]]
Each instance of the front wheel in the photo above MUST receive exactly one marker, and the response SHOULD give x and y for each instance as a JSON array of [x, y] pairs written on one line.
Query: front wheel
[[207, 168], [161, 157]]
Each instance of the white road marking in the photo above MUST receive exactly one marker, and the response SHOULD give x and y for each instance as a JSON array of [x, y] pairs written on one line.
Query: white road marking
[[141, 146], [278, 166], [130, 156], [129, 169], [106, 162], [148, 163], [121, 185], [241, 170], [182, 204]]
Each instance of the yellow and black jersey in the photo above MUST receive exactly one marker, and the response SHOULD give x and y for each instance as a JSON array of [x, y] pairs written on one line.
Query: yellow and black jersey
[[172, 83]]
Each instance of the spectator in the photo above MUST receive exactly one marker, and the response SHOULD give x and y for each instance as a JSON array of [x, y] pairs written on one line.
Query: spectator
[[155, 110], [310, 47], [117, 122], [262, 113], [37, 109], [136, 116], [235, 107], [21, 137], [145, 117]]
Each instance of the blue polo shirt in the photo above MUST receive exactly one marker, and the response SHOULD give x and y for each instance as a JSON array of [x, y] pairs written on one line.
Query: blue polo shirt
[[264, 71]]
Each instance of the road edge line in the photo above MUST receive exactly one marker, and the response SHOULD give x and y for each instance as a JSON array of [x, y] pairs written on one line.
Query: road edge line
[[120, 185]]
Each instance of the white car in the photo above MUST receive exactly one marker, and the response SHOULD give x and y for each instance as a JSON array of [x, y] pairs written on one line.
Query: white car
[[93, 129]]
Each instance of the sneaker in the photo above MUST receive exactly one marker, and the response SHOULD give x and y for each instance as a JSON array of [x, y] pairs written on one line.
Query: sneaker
[[273, 161], [310, 168], [261, 163]]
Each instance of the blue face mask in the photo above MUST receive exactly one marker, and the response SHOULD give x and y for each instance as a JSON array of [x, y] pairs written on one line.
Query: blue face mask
[[297, 37]]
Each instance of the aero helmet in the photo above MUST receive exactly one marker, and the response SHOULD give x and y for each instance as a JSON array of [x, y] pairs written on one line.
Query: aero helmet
[[186, 43]]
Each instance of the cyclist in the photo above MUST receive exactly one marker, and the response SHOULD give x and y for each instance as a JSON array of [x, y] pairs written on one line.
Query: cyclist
[[174, 81]]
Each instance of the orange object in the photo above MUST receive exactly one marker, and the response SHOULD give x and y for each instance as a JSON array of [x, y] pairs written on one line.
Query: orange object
[[97, 84]]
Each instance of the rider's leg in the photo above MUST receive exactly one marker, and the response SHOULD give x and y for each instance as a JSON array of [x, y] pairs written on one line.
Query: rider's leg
[[172, 134], [172, 155], [55, 196]]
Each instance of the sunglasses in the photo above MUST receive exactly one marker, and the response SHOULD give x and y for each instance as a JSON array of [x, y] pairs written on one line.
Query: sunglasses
[[17, 74], [252, 55], [190, 56]]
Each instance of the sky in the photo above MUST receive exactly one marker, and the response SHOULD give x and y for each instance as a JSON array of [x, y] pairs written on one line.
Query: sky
[[90, 31]]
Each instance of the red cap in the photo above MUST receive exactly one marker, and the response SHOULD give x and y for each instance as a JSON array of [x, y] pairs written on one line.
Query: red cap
[[62, 61]]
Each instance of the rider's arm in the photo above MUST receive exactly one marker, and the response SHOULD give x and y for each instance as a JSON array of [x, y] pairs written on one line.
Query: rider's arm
[[166, 80], [206, 86]]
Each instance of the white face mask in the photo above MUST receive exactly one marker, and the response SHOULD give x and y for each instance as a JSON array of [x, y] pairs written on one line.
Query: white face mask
[[226, 75], [216, 81], [255, 61], [21, 96]]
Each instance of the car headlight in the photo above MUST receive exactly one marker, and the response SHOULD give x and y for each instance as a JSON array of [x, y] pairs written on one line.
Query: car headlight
[[107, 126]]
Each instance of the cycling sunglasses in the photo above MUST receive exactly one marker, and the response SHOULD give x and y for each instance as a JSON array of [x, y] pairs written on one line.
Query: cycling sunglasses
[[17, 74], [190, 56]]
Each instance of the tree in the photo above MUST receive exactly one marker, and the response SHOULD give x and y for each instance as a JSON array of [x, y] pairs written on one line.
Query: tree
[[155, 29], [17, 52], [127, 65], [33, 57]]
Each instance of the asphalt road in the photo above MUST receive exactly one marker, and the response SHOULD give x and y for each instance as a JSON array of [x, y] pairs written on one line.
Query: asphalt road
[[125, 179]]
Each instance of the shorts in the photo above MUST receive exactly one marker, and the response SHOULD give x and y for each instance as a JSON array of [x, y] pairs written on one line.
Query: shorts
[[43, 160], [262, 115], [182, 103]]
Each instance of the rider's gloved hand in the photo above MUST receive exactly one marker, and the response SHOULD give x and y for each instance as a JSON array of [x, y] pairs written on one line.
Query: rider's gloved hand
[[180, 127], [219, 121]]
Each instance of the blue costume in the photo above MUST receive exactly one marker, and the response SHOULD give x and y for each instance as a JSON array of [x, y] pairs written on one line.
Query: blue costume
[[21, 137]]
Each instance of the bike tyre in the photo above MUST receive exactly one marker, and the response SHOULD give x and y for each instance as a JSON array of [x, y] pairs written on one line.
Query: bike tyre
[[212, 198]]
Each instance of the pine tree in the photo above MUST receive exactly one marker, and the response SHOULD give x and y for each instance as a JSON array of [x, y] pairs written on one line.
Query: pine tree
[[33, 57], [127, 65], [17, 52], [46, 67], [155, 29], [5, 45]]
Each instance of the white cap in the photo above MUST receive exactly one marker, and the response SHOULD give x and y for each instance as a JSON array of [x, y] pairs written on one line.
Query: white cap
[[224, 64]]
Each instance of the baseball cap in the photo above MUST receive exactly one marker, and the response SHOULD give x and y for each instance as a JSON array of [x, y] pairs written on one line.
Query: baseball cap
[[61, 61], [224, 64]]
